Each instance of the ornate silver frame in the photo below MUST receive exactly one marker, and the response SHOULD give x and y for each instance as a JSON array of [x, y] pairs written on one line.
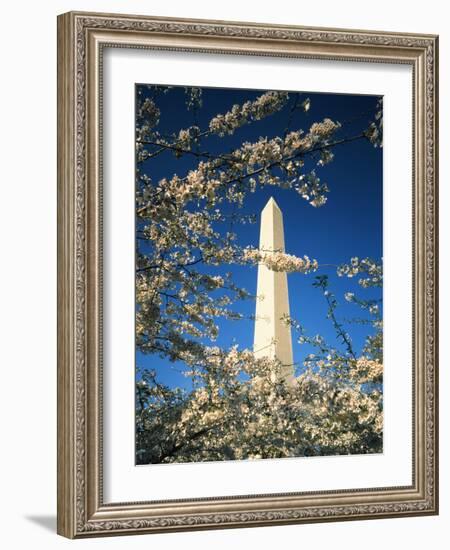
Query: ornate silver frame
[[81, 510]]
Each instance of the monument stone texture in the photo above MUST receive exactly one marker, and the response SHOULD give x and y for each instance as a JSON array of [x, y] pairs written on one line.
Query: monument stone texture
[[272, 336]]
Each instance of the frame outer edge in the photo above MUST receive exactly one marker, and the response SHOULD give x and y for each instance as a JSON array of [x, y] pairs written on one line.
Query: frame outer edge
[[75, 483], [435, 328], [66, 524]]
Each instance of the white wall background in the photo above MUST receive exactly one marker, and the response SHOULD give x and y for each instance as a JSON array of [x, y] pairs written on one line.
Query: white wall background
[[28, 272]]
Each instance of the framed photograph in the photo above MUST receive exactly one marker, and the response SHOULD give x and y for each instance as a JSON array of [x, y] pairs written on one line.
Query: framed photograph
[[247, 277]]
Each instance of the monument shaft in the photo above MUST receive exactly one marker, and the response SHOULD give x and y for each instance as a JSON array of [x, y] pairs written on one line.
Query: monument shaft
[[272, 335]]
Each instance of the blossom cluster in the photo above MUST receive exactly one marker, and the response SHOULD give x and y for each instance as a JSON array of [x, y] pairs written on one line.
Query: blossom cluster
[[323, 130], [265, 105], [311, 189], [280, 261], [374, 132], [229, 417], [150, 112], [367, 370], [193, 98], [224, 177], [367, 266]]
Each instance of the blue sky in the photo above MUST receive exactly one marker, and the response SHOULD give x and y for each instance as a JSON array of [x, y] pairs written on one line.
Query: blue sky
[[349, 224]]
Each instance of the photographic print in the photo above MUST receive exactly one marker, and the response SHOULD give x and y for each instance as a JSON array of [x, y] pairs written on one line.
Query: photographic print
[[258, 274]]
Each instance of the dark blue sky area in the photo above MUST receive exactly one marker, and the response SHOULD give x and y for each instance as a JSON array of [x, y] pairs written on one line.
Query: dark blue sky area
[[349, 224]]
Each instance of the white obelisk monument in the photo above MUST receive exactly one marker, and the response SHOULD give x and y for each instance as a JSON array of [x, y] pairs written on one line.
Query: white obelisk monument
[[272, 335]]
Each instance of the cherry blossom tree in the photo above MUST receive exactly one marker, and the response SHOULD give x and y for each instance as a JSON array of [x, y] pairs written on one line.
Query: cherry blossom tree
[[236, 408]]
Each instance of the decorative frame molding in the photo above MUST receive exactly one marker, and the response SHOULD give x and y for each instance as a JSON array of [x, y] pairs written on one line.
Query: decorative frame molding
[[81, 37]]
